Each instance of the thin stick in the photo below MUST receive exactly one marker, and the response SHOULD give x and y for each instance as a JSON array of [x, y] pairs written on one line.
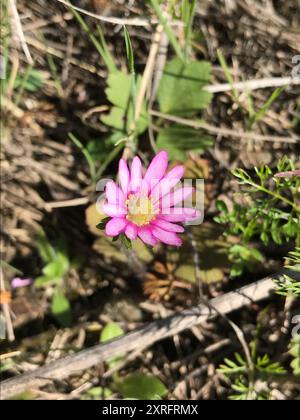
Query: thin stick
[[148, 71], [139, 339], [113, 20], [226, 132], [254, 84], [81, 201], [20, 33]]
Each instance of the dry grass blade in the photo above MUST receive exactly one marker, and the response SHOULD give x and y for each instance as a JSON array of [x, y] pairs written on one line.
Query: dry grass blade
[[113, 20], [226, 132]]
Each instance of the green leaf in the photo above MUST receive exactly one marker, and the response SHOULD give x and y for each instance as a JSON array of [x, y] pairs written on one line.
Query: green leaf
[[178, 140], [103, 223], [111, 331], [291, 228], [116, 119], [57, 268], [45, 249], [180, 91], [119, 93], [98, 393], [221, 206], [61, 308], [142, 387], [99, 148], [42, 281], [118, 89], [126, 242], [31, 81]]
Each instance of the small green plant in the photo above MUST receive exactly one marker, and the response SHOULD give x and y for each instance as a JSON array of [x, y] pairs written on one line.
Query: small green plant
[[57, 264], [268, 209], [138, 386], [239, 372], [253, 116], [289, 285]]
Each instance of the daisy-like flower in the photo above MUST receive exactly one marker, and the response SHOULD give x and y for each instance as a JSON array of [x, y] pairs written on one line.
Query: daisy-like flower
[[144, 206]]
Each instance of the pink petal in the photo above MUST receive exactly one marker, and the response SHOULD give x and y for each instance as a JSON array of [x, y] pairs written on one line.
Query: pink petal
[[136, 175], [179, 214], [124, 177], [115, 226], [168, 182], [169, 227], [169, 238], [18, 282], [146, 236], [131, 231], [157, 168], [114, 194], [113, 210], [176, 197]]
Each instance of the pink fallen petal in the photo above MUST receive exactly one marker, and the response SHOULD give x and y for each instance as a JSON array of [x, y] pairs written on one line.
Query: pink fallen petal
[[157, 168], [115, 226], [131, 231], [169, 238], [114, 194], [19, 282], [124, 177], [176, 197], [165, 225], [113, 210], [146, 236]]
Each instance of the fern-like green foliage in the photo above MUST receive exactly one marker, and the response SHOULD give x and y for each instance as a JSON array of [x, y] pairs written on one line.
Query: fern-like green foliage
[[290, 284], [238, 371], [269, 210]]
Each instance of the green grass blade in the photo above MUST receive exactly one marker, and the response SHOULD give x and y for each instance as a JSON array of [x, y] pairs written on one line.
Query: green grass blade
[[109, 61], [129, 51], [261, 113], [167, 29], [86, 154], [102, 49], [228, 76], [188, 9]]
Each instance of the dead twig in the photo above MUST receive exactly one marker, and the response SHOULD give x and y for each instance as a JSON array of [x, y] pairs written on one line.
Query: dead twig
[[18, 27], [226, 132], [254, 84], [81, 201], [139, 339], [113, 20]]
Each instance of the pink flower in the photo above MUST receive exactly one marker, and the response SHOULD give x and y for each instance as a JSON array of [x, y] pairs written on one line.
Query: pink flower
[[18, 282], [144, 206]]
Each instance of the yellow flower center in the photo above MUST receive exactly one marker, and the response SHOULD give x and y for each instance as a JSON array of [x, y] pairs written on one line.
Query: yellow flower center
[[140, 210]]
